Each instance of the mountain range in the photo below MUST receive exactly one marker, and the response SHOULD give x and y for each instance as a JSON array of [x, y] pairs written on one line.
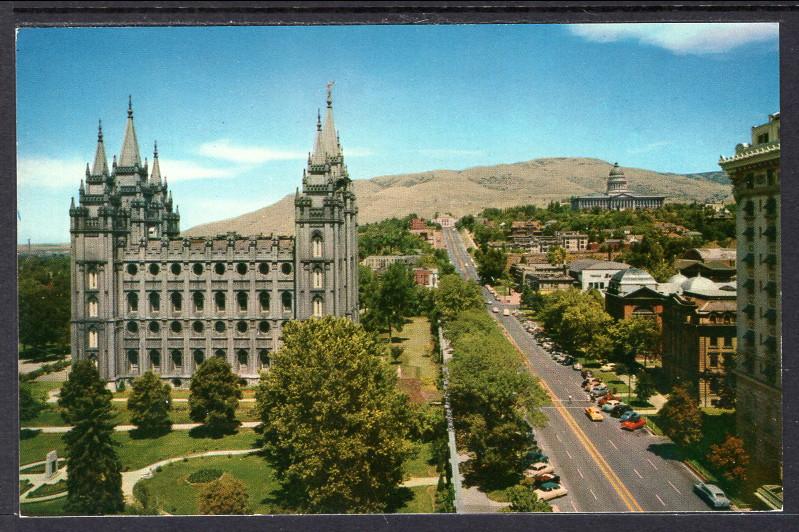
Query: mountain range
[[469, 191]]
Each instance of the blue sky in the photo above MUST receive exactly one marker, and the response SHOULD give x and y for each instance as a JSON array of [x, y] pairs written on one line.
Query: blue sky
[[234, 108]]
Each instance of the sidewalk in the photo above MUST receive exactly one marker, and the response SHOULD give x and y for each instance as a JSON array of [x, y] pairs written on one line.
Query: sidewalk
[[125, 428]]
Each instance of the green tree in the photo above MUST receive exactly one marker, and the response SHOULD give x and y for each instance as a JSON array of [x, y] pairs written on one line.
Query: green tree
[[557, 256], [225, 496], [523, 499], [29, 404], [581, 324], [335, 425], [729, 458], [94, 479], [680, 417], [395, 297], [645, 387], [149, 403], [638, 336], [214, 395], [490, 264], [44, 302], [726, 384], [454, 295]]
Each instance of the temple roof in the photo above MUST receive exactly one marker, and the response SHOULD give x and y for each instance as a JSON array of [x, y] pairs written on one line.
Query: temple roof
[[129, 156]]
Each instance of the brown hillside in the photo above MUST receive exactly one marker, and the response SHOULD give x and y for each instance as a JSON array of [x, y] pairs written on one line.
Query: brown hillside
[[468, 191]]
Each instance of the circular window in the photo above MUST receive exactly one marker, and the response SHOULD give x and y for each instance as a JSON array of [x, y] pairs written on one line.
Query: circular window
[[154, 326], [220, 269], [198, 326], [241, 267], [198, 356], [263, 326], [285, 268], [241, 326], [220, 353], [263, 268], [133, 326], [176, 327], [198, 268], [132, 269], [154, 269], [219, 326], [176, 269], [176, 383]]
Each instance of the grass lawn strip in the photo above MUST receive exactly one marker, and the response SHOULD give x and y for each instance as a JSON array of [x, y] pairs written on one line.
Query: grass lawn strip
[[49, 489], [421, 464], [423, 501], [44, 508]]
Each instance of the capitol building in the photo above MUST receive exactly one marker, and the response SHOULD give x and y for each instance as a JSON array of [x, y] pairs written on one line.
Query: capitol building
[[617, 197]]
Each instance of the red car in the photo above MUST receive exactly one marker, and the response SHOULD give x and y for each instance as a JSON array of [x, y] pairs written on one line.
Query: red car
[[634, 425], [606, 398]]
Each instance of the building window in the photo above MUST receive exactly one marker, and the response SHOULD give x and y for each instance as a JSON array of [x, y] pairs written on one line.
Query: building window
[[316, 244], [133, 327], [177, 358], [220, 353], [317, 278], [285, 268], [93, 307], [154, 327], [263, 299], [263, 358], [199, 356], [219, 300], [286, 300], [199, 301], [175, 268], [93, 339], [727, 341], [176, 327], [155, 358], [263, 327], [177, 301], [263, 268], [241, 299], [219, 268], [241, 267], [198, 327], [155, 302], [154, 269], [317, 307], [219, 326], [132, 270], [133, 360], [713, 341], [198, 269], [713, 360], [241, 327], [92, 280], [243, 358], [133, 302]]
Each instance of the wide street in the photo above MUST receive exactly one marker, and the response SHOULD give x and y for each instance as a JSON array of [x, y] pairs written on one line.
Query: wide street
[[604, 468]]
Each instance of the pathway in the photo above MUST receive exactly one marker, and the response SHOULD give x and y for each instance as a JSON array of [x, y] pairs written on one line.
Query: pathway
[[420, 481], [125, 428]]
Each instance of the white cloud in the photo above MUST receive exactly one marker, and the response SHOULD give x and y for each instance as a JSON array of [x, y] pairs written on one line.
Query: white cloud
[[51, 173], [450, 152], [682, 38], [182, 170], [226, 150]]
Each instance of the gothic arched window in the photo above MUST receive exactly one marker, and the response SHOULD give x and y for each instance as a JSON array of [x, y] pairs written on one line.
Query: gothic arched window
[[318, 278], [316, 246], [219, 299], [177, 301], [155, 301], [199, 301], [177, 358], [241, 299], [286, 300], [199, 356], [263, 358], [91, 280], [244, 358], [263, 299], [93, 341], [133, 302], [155, 358], [93, 307], [317, 307]]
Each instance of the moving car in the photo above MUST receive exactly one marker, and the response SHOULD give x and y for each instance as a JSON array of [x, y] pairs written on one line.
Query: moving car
[[619, 409], [634, 425], [593, 413], [713, 495], [550, 490], [610, 405], [538, 468]]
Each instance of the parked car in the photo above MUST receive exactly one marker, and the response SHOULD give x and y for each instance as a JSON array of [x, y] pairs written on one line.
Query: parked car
[[538, 468], [713, 495], [608, 397], [495, 310], [577, 366], [550, 490], [634, 425], [619, 409], [630, 415], [608, 366], [588, 382], [545, 477], [533, 457], [593, 413], [586, 373], [506, 312], [610, 404], [598, 391], [567, 360]]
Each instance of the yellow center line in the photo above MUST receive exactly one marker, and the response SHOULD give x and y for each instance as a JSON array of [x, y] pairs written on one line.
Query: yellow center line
[[614, 480]]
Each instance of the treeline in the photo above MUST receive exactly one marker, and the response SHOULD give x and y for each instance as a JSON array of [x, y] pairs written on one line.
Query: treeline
[[44, 301]]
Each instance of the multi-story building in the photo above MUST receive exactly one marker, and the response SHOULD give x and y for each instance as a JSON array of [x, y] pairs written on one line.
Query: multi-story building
[[380, 263], [445, 221], [755, 173], [593, 273], [617, 196], [427, 277], [144, 298], [698, 335], [572, 240]]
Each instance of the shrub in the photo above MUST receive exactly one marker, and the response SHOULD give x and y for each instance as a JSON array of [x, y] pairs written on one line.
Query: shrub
[[201, 476]]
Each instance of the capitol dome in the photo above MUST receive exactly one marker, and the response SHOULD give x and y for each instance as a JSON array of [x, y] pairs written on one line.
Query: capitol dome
[[698, 284], [616, 171], [677, 279], [630, 280]]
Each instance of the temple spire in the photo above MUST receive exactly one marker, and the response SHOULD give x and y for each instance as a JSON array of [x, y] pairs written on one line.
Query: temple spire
[[129, 156], [326, 144], [100, 162], [155, 177]]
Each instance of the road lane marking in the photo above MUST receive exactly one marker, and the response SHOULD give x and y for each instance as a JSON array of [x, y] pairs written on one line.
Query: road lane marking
[[613, 444], [674, 487], [580, 473], [594, 494], [557, 436], [569, 455], [652, 464], [637, 473], [661, 500], [574, 507]]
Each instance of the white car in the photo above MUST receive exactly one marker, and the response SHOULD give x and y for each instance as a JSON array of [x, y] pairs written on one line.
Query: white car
[[608, 366], [495, 310], [550, 490], [577, 366], [506, 312], [538, 468]]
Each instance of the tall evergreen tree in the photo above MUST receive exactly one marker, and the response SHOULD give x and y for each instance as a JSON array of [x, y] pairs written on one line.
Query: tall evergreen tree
[[335, 426], [215, 395], [149, 403], [94, 479]]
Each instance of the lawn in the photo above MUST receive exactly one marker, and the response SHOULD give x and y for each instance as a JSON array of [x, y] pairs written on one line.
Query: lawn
[[46, 508], [137, 453], [40, 388], [175, 495], [421, 464], [24, 485], [423, 501], [416, 361], [49, 489]]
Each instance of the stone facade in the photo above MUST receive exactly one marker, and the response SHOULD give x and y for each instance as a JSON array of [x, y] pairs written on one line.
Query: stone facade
[[755, 173], [617, 196], [145, 298]]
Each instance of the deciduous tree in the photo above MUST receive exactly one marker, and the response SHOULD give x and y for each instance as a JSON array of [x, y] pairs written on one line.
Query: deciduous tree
[[225, 496], [523, 499], [94, 479], [557, 256], [729, 458], [29, 404], [455, 295], [680, 417], [335, 425], [149, 403]]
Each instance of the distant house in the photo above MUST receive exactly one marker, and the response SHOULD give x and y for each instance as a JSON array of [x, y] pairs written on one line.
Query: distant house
[[379, 263], [593, 273], [427, 277], [445, 221], [711, 254]]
